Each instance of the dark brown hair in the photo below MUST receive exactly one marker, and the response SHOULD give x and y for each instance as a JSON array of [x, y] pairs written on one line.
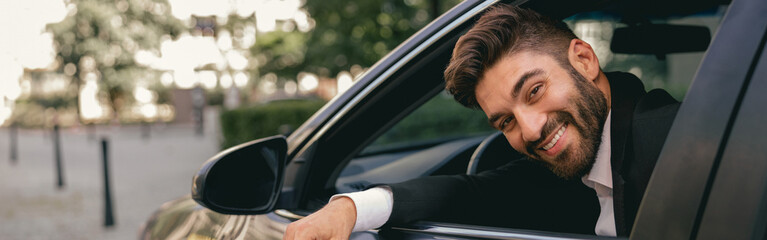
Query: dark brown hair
[[502, 31]]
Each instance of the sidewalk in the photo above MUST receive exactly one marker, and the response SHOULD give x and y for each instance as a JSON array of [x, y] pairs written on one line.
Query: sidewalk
[[144, 172]]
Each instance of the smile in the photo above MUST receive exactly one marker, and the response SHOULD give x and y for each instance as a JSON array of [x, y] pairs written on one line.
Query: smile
[[555, 139]]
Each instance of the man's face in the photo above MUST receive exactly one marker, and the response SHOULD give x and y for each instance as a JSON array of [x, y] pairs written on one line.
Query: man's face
[[547, 112]]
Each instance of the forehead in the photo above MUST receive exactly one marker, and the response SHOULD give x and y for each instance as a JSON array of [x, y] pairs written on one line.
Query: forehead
[[518, 64]]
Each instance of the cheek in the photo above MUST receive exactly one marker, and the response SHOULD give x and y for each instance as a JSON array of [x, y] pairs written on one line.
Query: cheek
[[557, 99]]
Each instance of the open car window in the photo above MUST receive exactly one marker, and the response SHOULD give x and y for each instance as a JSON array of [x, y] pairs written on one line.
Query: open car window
[[444, 133]]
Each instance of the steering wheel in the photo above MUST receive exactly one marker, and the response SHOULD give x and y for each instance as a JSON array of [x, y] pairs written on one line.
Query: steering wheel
[[493, 152]]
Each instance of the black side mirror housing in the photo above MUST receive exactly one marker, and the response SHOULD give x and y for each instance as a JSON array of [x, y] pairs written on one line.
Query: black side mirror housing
[[245, 179], [660, 39]]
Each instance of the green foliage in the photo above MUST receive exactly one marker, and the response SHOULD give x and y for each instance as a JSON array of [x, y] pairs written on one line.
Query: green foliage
[[359, 32], [281, 53], [346, 33], [279, 117]]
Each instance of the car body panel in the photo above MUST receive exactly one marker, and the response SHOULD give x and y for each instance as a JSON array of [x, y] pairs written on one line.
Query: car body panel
[[183, 218]]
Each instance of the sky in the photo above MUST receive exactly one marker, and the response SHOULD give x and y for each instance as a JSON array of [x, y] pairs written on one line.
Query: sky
[[24, 43]]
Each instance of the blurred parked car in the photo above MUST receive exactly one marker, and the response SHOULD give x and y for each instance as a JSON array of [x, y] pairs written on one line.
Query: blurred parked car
[[710, 181]]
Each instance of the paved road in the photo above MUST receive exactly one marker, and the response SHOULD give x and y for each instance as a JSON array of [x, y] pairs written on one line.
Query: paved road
[[145, 173]]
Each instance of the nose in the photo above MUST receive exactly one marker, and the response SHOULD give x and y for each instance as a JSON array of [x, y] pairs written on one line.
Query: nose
[[531, 123]]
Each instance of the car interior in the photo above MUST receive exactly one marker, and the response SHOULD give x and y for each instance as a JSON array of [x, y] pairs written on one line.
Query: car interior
[[409, 127]]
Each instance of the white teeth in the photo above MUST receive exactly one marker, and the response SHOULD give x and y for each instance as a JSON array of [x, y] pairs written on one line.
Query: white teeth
[[555, 139]]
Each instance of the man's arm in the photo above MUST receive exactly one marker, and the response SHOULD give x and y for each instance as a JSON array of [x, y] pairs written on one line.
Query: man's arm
[[526, 191], [416, 199], [522, 194], [334, 221], [371, 210], [420, 198]]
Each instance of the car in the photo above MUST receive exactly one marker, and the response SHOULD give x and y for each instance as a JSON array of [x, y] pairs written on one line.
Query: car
[[395, 123]]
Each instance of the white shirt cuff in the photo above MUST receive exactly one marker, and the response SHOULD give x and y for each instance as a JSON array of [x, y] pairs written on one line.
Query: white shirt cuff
[[374, 206]]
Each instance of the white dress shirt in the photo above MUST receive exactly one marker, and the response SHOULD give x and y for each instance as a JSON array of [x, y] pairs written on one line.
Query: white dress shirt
[[600, 178], [374, 206]]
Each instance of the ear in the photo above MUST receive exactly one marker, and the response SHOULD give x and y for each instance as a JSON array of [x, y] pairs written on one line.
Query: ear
[[583, 59]]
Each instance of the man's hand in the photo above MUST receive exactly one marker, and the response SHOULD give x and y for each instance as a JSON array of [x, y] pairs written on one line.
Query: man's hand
[[334, 221]]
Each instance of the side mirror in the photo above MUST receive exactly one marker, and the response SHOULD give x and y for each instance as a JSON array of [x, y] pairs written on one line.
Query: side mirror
[[244, 179]]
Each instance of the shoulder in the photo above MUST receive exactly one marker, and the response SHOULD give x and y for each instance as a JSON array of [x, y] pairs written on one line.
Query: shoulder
[[628, 93], [656, 103], [653, 116]]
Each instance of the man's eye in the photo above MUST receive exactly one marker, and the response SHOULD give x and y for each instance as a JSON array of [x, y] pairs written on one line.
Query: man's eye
[[534, 91], [506, 122]]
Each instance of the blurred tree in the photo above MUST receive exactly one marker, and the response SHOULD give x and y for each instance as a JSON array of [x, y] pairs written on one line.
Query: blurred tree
[[345, 34], [282, 53], [99, 38], [238, 29]]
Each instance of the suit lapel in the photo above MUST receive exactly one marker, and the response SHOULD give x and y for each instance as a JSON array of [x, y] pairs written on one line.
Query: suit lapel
[[625, 91]]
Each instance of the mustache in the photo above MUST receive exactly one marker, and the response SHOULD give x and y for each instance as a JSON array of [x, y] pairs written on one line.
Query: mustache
[[552, 124]]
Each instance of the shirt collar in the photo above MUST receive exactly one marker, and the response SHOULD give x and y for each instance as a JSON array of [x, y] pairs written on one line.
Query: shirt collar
[[601, 172]]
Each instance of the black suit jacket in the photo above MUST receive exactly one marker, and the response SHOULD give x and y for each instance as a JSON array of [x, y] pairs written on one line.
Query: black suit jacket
[[524, 194]]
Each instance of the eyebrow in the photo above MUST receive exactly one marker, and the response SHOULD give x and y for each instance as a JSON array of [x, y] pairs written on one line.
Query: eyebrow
[[523, 79], [515, 92]]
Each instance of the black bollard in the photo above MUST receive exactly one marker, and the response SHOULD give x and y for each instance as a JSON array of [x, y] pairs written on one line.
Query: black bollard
[[108, 212], [14, 143], [57, 154]]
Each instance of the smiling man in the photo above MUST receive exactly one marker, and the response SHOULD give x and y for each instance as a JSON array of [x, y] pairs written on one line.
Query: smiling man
[[551, 114], [591, 140]]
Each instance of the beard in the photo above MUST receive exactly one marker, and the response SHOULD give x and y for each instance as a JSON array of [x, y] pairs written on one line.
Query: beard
[[587, 114]]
